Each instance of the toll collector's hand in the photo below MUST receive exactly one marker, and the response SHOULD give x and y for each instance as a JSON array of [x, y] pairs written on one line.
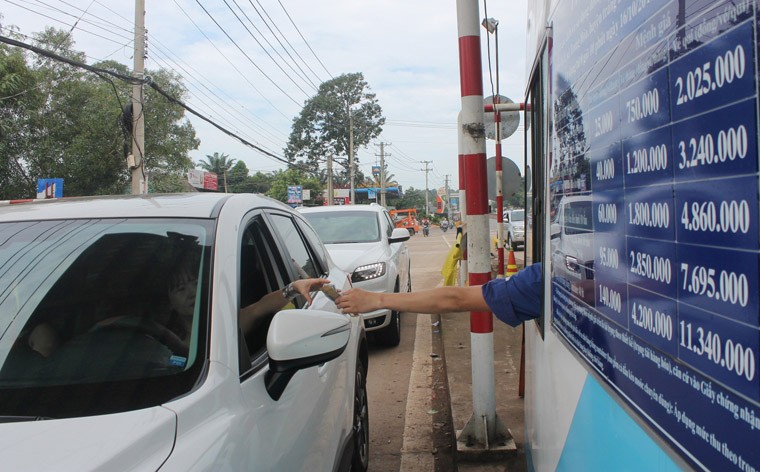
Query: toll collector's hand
[[356, 300]]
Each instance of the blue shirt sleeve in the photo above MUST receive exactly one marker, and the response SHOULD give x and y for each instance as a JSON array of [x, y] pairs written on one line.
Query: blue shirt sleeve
[[517, 298]]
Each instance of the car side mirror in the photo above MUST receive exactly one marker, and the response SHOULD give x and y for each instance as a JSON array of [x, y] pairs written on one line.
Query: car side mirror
[[399, 235], [299, 339]]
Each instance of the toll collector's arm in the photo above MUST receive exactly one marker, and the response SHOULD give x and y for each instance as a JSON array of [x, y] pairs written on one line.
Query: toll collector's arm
[[512, 300]]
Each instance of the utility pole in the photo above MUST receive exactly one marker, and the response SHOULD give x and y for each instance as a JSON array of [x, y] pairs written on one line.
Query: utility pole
[[427, 193], [138, 122], [382, 173], [330, 190], [448, 197], [351, 154]]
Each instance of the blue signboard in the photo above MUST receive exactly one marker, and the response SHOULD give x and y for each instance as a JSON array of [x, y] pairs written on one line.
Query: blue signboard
[[49, 188], [656, 105]]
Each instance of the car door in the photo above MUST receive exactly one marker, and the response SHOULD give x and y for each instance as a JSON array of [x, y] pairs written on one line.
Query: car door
[[296, 432], [324, 388]]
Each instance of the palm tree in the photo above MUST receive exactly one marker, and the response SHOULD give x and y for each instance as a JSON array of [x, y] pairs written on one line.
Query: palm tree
[[218, 164]]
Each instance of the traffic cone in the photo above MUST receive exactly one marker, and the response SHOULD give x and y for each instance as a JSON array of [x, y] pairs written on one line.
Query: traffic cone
[[511, 264]]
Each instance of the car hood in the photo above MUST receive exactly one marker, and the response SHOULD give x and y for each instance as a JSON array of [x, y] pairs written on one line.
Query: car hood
[[137, 440], [350, 256]]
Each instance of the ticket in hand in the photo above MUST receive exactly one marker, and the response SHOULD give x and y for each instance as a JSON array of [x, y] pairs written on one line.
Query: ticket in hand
[[330, 291]]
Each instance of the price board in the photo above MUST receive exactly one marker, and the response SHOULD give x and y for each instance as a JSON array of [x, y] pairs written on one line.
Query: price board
[[655, 104]]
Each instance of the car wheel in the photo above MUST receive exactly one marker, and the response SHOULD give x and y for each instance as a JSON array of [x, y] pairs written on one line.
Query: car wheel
[[391, 334], [360, 458], [411, 232]]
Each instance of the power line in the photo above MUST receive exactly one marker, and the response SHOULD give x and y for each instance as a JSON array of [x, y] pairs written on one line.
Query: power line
[[286, 40], [259, 43], [246, 54], [304, 39], [148, 81]]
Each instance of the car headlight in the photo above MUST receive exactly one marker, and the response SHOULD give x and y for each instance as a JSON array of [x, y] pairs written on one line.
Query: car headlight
[[368, 272]]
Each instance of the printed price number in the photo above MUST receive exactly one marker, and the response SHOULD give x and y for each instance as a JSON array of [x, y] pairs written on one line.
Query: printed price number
[[732, 143], [603, 124], [645, 105], [605, 169], [728, 354], [725, 286], [607, 213], [652, 159], [610, 298], [656, 268], [609, 257], [712, 75], [651, 215], [717, 217], [654, 321]]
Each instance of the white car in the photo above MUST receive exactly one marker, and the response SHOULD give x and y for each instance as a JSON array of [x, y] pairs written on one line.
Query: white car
[[514, 221], [363, 242], [99, 370], [572, 246]]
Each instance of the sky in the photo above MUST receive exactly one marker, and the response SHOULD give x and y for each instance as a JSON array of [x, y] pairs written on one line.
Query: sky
[[253, 76]]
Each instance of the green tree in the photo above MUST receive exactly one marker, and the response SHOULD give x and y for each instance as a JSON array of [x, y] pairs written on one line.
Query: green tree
[[293, 176], [220, 164], [322, 128], [65, 122], [413, 198]]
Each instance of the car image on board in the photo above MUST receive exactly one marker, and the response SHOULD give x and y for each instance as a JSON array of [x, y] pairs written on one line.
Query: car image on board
[[363, 242], [121, 346]]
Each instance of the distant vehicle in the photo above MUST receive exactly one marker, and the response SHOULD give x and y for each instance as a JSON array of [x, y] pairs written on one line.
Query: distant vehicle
[[362, 240], [406, 218], [119, 375], [514, 220]]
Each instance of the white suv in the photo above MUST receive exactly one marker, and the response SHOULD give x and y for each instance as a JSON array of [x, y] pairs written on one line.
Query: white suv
[[121, 347], [362, 240]]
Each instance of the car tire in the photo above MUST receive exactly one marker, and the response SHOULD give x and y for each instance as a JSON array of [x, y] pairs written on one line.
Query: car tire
[[391, 335], [360, 457]]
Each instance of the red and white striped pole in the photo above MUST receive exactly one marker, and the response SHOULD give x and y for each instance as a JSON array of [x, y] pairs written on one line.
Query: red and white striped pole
[[462, 203], [499, 187], [481, 427]]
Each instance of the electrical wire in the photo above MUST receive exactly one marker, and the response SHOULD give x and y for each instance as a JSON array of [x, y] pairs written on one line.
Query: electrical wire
[[221, 28], [304, 39]]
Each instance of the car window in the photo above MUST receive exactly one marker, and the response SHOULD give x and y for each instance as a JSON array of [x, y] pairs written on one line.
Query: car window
[[389, 223], [262, 271], [301, 259], [316, 245], [341, 227], [129, 293]]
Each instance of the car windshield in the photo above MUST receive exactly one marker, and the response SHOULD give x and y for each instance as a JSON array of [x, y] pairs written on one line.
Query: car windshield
[[343, 227], [517, 215], [100, 305]]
